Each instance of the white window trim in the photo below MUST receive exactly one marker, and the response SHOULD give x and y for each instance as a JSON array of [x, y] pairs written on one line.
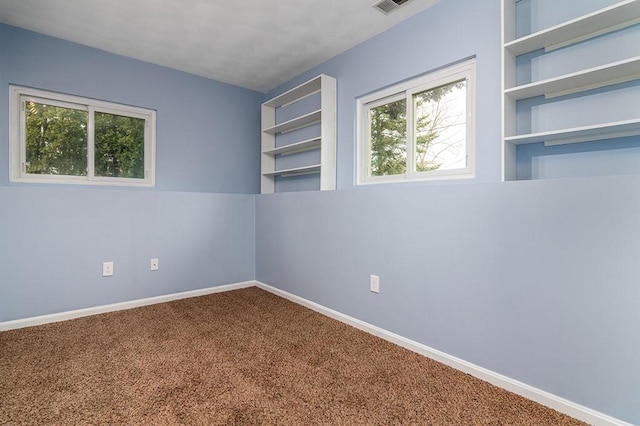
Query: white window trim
[[463, 71], [17, 138]]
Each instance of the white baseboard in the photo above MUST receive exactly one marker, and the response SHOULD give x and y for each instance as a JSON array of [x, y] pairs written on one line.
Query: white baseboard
[[545, 398], [63, 316]]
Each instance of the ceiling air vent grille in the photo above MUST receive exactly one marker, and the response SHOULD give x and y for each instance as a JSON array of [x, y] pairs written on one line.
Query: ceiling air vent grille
[[387, 6]]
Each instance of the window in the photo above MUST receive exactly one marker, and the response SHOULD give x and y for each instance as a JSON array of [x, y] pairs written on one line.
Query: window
[[67, 139], [420, 129]]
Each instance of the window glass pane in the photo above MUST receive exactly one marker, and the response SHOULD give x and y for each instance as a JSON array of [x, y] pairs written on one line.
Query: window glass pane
[[388, 133], [56, 140], [440, 128], [119, 146]]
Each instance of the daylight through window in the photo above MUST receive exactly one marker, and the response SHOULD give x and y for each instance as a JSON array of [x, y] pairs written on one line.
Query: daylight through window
[[420, 129], [67, 139]]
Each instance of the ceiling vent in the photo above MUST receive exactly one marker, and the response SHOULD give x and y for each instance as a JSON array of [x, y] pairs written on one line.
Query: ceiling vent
[[388, 6]]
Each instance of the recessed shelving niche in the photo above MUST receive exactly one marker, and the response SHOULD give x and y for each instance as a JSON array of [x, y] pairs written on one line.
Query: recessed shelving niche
[[290, 137], [558, 43]]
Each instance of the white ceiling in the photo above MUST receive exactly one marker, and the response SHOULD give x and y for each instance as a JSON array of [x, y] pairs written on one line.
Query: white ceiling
[[257, 44]]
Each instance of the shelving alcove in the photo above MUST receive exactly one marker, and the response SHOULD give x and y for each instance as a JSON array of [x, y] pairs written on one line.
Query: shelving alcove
[[522, 50], [299, 126]]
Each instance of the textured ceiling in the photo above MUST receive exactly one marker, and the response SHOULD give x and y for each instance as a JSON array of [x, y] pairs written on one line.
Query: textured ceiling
[[257, 44]]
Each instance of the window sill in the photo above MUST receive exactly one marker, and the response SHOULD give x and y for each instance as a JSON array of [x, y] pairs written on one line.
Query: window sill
[[437, 178], [84, 182]]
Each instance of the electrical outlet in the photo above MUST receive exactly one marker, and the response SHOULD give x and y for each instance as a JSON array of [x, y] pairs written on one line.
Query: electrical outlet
[[374, 284], [154, 264], [107, 269]]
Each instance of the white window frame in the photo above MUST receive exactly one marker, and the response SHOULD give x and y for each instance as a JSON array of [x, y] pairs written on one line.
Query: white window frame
[[17, 137], [463, 71]]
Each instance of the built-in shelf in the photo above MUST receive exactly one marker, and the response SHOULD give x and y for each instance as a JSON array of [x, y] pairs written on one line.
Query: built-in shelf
[[616, 129], [592, 78], [297, 123], [293, 148], [617, 16], [295, 171], [321, 138], [622, 14], [309, 88]]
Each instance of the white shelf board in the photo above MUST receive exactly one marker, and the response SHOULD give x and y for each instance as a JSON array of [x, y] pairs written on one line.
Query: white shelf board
[[296, 123], [614, 17], [604, 75], [293, 148], [305, 89], [296, 171], [580, 134]]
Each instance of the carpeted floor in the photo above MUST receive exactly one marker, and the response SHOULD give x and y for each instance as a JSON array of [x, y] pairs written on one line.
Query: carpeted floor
[[244, 357]]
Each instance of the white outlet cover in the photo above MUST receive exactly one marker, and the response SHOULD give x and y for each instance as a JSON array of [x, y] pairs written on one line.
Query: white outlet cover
[[107, 269], [154, 264], [374, 284]]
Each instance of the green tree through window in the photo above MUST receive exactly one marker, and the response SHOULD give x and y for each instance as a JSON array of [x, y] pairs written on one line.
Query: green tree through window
[[419, 128], [119, 146], [59, 138], [389, 138], [433, 116], [56, 140]]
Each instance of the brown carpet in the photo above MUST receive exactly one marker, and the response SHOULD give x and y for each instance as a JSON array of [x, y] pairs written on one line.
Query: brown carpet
[[244, 357]]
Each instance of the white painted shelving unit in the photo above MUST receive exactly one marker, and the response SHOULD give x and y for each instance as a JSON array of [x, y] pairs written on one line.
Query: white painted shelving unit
[[325, 142], [615, 17]]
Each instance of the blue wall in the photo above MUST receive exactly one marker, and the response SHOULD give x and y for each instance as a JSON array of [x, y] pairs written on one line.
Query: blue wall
[[449, 32], [534, 279], [53, 239], [208, 133]]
